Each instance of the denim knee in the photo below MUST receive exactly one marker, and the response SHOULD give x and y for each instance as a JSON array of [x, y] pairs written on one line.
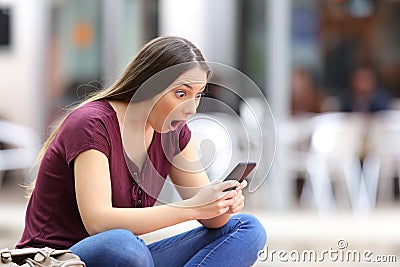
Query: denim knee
[[255, 229], [113, 248], [129, 250]]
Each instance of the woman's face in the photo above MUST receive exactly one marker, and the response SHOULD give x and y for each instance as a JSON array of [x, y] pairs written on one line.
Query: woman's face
[[178, 102]]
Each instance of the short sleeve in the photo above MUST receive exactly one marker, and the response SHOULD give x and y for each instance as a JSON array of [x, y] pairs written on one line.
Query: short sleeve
[[184, 138], [81, 133]]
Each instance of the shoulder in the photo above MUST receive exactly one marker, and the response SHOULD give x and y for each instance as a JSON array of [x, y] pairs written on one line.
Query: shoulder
[[88, 122], [88, 127], [99, 109], [91, 114]]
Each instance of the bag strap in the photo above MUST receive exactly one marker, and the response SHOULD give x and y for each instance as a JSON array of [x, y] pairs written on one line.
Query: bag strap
[[39, 254], [5, 255], [43, 254]]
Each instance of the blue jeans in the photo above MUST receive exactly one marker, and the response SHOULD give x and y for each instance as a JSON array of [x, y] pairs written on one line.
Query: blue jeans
[[235, 244]]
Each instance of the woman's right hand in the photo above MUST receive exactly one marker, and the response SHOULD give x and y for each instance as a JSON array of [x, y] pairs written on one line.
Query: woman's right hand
[[211, 200]]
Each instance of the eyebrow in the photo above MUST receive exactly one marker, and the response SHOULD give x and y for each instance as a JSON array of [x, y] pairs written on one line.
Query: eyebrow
[[191, 88], [188, 86]]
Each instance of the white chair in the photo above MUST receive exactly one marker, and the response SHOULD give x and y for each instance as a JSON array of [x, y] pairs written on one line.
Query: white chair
[[332, 163], [21, 147], [294, 135], [382, 161]]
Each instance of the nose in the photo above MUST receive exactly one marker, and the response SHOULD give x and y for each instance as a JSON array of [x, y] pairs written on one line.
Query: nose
[[190, 107]]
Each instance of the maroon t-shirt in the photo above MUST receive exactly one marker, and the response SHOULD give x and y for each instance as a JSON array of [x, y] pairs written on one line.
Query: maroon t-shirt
[[52, 216]]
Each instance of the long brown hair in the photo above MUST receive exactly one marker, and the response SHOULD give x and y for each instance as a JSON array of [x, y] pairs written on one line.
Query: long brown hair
[[157, 55]]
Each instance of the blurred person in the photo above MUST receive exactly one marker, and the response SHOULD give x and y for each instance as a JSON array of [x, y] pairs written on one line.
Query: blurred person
[[87, 200], [306, 96], [364, 94]]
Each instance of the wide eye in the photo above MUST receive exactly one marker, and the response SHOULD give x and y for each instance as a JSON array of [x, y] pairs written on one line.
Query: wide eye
[[200, 95], [180, 93]]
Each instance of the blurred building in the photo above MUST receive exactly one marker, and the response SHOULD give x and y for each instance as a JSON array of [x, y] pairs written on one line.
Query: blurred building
[[51, 47]]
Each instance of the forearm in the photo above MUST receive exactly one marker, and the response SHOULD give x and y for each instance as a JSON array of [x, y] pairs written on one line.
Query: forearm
[[215, 222], [140, 220]]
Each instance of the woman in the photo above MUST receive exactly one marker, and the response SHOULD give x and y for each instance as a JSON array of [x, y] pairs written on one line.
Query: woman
[[103, 167]]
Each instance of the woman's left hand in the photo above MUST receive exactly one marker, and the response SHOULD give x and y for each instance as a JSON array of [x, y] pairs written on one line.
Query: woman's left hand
[[239, 199]]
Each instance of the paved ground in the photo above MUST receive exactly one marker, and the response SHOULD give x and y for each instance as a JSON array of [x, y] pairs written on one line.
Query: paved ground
[[289, 234]]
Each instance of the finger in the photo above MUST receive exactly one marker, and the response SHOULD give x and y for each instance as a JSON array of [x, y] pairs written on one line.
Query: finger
[[226, 195], [239, 192], [229, 194], [228, 184], [238, 205], [233, 210], [241, 199], [233, 207], [227, 203], [238, 201], [243, 184], [238, 209]]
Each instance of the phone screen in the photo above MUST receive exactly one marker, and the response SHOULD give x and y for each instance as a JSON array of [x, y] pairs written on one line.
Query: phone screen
[[240, 172]]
